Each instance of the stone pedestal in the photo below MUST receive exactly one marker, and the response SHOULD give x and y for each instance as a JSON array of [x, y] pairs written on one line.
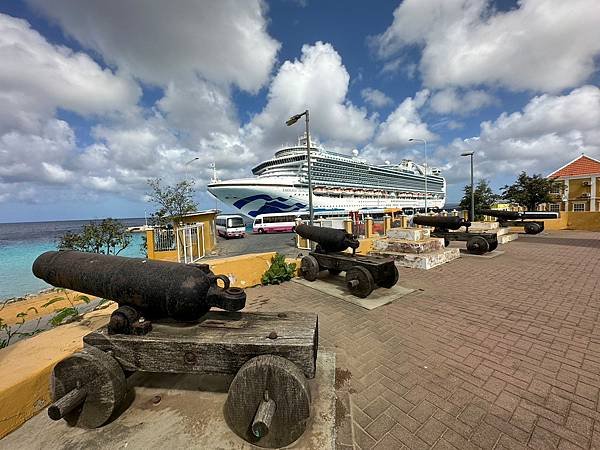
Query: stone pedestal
[[411, 234]]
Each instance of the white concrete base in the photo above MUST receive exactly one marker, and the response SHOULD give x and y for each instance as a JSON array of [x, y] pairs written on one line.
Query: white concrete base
[[426, 245], [410, 234], [482, 226], [188, 416], [424, 261], [335, 285], [508, 237]]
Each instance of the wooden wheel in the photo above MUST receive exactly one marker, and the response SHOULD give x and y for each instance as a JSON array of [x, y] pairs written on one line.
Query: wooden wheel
[[493, 246], [446, 242], [391, 280], [477, 245], [309, 266], [87, 388], [360, 282], [268, 402]]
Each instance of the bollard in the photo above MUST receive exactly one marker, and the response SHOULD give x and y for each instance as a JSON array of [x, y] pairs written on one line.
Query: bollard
[[368, 227], [454, 213], [404, 220], [465, 214], [444, 213], [348, 225], [387, 224], [301, 243]]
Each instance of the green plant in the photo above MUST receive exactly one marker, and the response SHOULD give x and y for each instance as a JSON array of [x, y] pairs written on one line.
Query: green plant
[[12, 331], [529, 191], [279, 270], [68, 313], [484, 197], [109, 237]]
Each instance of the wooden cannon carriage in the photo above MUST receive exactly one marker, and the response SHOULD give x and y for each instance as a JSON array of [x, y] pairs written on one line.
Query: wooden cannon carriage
[[363, 273], [272, 355]]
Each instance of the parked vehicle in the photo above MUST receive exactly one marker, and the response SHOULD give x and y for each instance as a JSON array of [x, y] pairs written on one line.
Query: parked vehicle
[[276, 222], [230, 226]]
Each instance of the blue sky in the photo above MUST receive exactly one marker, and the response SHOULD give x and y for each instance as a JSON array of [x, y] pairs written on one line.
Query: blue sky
[[99, 96]]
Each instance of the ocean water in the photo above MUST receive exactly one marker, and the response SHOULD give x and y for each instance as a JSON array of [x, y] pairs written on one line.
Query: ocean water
[[21, 243]]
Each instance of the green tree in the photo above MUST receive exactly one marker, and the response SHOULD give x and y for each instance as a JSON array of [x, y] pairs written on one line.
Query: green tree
[[484, 197], [529, 191], [172, 201], [109, 237]]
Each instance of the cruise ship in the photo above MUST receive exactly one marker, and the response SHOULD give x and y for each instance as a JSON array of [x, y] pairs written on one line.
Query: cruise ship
[[340, 182]]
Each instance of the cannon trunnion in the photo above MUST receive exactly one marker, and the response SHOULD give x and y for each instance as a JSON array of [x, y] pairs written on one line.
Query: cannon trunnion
[[363, 273], [477, 243], [271, 354]]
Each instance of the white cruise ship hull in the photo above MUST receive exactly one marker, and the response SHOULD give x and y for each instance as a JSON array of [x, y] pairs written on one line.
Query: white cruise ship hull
[[254, 196]]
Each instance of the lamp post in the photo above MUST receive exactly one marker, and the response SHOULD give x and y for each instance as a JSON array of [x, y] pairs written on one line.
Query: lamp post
[[425, 145], [472, 187], [291, 121], [188, 163]]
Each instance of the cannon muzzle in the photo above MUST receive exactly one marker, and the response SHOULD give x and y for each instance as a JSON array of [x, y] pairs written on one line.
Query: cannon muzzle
[[329, 239], [442, 222], [157, 289]]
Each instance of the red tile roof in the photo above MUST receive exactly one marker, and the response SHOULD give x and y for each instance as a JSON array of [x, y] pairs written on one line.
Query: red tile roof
[[582, 165]]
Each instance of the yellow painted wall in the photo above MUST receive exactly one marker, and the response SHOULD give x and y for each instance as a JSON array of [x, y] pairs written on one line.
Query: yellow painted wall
[[576, 191], [26, 367], [243, 271], [589, 221]]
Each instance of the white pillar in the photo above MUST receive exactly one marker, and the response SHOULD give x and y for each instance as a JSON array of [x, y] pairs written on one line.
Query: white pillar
[[593, 194], [566, 194]]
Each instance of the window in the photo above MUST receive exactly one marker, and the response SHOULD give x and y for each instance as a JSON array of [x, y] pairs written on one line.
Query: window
[[554, 207], [557, 188], [578, 206]]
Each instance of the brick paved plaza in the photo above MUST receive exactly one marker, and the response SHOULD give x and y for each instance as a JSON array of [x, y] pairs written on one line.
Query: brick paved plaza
[[487, 353]]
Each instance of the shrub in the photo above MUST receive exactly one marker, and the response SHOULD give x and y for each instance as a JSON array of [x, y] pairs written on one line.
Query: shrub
[[279, 271]]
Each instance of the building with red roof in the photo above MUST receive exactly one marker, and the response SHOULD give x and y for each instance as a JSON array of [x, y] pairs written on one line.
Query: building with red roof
[[577, 186]]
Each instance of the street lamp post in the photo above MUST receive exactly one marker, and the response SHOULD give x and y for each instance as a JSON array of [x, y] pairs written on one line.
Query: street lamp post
[[291, 121], [425, 145], [186, 167], [472, 187]]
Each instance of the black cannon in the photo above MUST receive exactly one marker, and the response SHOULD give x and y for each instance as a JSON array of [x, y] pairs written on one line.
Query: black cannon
[[525, 219], [444, 226], [163, 324], [363, 273], [143, 288]]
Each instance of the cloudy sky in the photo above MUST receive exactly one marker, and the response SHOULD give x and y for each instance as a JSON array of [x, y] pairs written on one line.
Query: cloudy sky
[[97, 96]]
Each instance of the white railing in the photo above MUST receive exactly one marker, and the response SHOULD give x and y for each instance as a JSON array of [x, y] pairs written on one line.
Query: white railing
[[190, 243]]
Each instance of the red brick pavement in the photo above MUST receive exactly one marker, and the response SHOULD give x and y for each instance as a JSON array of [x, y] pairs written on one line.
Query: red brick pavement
[[487, 353]]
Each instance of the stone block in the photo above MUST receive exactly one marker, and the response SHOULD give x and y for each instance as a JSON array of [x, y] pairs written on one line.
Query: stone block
[[410, 234], [424, 261], [408, 246], [482, 226], [506, 238]]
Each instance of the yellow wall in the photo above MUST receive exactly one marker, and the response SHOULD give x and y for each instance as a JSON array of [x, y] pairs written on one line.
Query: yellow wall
[[26, 367], [589, 221], [243, 271]]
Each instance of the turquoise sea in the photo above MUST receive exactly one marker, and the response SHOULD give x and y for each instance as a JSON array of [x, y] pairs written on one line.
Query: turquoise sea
[[21, 243]]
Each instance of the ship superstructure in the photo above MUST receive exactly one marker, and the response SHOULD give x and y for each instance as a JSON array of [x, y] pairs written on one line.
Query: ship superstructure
[[339, 181]]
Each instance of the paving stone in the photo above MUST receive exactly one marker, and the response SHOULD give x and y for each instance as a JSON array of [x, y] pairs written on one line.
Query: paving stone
[[380, 426]]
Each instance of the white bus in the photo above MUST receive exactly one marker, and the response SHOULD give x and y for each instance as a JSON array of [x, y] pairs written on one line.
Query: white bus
[[230, 226], [285, 222], [276, 222]]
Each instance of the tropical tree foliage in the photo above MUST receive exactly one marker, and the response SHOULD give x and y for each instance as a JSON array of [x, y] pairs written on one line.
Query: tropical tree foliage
[[484, 197], [529, 191], [172, 201], [109, 237]]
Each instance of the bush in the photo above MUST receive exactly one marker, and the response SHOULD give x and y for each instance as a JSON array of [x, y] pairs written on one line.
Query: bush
[[279, 271]]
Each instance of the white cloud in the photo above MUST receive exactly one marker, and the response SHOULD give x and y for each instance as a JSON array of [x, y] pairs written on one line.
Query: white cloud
[[546, 45], [36, 77], [547, 133], [318, 81], [375, 98], [404, 123], [223, 42], [448, 101]]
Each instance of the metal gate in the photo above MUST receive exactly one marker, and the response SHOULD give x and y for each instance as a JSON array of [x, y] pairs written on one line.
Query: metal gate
[[190, 243]]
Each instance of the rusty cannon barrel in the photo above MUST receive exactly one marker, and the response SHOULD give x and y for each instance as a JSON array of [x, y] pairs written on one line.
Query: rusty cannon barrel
[[520, 215], [442, 222], [154, 289], [329, 239]]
